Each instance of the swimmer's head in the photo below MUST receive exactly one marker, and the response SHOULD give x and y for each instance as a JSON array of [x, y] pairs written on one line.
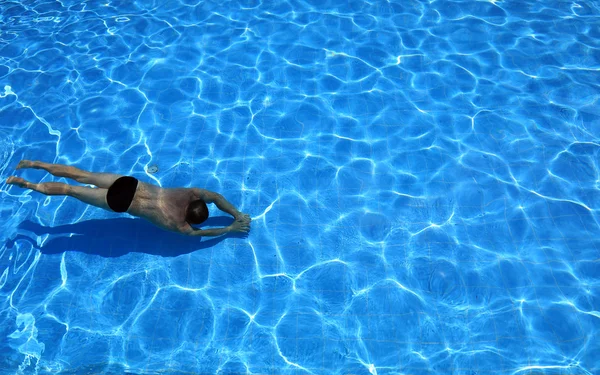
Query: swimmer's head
[[196, 212]]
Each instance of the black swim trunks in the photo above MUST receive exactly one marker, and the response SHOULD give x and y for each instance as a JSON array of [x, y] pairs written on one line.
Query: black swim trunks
[[121, 192]]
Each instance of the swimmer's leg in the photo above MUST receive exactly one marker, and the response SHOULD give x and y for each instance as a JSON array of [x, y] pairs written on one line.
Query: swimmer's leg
[[102, 180], [95, 197]]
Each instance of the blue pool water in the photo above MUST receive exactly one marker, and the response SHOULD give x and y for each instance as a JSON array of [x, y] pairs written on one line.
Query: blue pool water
[[423, 179]]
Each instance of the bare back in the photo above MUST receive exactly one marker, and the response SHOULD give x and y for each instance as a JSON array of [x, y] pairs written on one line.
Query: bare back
[[164, 207]]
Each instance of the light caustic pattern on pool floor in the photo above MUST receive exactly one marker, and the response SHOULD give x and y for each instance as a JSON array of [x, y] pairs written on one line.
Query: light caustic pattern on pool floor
[[423, 180]]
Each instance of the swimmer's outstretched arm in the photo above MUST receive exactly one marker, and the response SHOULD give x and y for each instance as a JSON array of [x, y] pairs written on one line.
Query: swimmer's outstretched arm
[[240, 225], [219, 201]]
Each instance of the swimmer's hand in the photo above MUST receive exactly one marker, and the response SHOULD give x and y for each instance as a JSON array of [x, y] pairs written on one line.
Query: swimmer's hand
[[240, 225], [241, 215]]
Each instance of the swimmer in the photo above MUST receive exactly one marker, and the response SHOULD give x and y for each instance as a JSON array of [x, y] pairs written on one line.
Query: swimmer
[[174, 209]]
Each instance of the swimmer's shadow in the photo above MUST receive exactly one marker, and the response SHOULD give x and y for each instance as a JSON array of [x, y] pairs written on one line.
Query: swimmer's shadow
[[117, 237]]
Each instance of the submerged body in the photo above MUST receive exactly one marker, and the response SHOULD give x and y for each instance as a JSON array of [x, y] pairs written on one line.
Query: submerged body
[[167, 208]]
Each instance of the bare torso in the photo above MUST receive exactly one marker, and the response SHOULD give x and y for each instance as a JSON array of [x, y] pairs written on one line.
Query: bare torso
[[164, 207]]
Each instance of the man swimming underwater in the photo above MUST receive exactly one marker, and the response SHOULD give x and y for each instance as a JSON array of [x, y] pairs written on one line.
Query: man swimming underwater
[[175, 209]]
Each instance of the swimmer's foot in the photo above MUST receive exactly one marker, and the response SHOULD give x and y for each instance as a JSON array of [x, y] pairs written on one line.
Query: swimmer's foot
[[27, 164], [20, 182]]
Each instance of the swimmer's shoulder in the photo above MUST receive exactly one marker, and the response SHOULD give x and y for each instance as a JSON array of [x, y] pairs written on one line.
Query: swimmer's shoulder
[[206, 195]]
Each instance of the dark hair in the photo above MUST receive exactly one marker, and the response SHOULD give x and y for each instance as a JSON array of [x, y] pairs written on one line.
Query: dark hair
[[196, 212]]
